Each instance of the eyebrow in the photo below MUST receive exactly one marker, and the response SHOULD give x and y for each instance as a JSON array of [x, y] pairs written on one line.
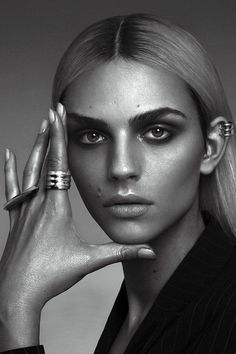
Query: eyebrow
[[140, 118]]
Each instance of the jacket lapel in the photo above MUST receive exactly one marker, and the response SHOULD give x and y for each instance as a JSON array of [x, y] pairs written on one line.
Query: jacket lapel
[[194, 276]]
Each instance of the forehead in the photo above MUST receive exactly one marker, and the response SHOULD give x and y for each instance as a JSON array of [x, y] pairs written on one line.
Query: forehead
[[123, 89]]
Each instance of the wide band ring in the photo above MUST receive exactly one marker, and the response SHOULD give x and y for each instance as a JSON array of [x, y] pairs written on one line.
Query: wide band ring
[[58, 180]]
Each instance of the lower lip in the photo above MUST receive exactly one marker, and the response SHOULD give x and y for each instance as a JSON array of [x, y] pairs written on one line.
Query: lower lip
[[128, 210]]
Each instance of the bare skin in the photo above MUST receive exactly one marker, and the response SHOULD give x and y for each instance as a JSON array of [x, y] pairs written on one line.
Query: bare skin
[[171, 250], [160, 159], [42, 230]]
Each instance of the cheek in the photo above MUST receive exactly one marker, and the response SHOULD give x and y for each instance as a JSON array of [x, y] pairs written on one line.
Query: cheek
[[174, 170], [88, 174]]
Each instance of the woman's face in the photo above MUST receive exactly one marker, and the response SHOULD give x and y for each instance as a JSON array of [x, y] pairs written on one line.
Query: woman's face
[[135, 148]]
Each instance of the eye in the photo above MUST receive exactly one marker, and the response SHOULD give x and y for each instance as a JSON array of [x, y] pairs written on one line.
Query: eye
[[157, 133], [91, 137]]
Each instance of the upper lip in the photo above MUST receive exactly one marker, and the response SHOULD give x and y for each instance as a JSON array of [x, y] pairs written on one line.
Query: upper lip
[[126, 199]]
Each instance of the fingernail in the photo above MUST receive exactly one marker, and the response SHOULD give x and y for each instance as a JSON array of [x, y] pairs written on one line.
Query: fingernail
[[7, 154], [60, 109], [63, 118], [146, 253], [51, 116], [44, 126]]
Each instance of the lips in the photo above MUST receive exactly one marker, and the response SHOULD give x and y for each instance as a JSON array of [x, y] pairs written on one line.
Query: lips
[[127, 206], [125, 200]]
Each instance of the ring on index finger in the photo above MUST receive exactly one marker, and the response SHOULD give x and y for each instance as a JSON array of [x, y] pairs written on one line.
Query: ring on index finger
[[20, 198], [58, 180]]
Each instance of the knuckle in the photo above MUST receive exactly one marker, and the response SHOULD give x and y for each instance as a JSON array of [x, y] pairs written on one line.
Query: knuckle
[[49, 209], [57, 134], [7, 168], [54, 162], [125, 253], [56, 207], [29, 170]]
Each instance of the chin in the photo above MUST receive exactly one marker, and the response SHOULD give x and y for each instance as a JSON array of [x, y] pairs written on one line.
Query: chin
[[131, 233]]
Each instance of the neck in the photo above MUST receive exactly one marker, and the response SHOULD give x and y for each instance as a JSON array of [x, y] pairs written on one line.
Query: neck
[[145, 278]]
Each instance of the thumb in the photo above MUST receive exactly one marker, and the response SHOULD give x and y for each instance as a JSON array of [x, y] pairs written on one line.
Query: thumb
[[110, 253]]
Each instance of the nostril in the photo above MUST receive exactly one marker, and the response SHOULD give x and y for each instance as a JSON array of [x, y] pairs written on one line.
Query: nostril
[[124, 176], [123, 164]]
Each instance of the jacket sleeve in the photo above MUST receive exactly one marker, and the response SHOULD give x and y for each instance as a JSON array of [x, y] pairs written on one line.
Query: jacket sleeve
[[27, 350]]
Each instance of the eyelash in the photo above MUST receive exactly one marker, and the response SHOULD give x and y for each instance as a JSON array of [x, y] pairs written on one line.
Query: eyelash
[[85, 134], [154, 139]]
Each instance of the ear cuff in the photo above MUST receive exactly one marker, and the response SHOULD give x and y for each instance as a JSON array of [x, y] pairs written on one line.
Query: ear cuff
[[226, 129]]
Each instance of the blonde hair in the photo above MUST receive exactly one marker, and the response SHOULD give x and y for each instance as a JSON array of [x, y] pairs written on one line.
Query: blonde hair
[[155, 42]]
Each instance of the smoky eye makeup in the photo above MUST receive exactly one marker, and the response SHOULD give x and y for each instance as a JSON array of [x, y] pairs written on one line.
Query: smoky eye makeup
[[159, 128], [148, 126], [164, 122], [79, 122], [157, 134], [138, 121], [90, 137], [79, 128]]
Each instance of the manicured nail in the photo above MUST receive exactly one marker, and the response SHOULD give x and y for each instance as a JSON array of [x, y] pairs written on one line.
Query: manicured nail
[[7, 154], [146, 253], [63, 118], [44, 126], [60, 109], [51, 116]]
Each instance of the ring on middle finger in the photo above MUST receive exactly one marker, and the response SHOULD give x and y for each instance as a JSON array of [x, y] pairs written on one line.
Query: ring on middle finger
[[58, 180]]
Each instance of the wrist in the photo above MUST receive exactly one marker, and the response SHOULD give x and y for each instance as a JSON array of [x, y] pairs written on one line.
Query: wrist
[[19, 327]]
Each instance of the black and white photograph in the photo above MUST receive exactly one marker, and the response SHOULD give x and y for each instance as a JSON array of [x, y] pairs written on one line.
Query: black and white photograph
[[118, 177]]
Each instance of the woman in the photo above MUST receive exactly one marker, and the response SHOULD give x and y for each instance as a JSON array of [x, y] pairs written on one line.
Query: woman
[[143, 116]]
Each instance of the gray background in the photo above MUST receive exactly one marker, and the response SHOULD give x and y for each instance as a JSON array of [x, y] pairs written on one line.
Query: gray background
[[33, 36]]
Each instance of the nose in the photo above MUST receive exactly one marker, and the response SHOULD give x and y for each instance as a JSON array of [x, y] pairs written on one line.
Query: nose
[[124, 160]]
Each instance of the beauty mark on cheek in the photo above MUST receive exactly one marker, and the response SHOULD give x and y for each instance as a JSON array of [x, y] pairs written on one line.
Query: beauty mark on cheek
[[99, 192]]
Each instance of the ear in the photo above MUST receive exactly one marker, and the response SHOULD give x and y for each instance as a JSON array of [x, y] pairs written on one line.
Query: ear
[[215, 146]]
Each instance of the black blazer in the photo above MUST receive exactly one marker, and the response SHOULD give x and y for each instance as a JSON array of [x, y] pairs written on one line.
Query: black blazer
[[194, 313]]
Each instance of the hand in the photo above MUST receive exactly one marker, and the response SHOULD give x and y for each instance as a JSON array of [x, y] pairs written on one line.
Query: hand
[[44, 254]]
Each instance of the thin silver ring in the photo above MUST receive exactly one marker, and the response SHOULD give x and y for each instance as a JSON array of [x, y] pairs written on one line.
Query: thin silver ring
[[21, 197]]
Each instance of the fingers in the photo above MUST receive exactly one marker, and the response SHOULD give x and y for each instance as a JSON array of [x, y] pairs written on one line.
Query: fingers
[[113, 252], [34, 164], [62, 113], [11, 183], [11, 179], [57, 157], [22, 197]]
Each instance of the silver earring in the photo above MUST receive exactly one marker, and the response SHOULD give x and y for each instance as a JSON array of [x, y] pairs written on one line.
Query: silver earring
[[226, 129]]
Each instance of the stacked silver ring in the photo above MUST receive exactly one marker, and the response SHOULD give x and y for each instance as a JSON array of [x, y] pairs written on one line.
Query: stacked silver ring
[[226, 129], [58, 180]]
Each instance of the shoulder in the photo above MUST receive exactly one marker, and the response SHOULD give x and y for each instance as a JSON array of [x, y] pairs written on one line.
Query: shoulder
[[218, 313], [222, 294]]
